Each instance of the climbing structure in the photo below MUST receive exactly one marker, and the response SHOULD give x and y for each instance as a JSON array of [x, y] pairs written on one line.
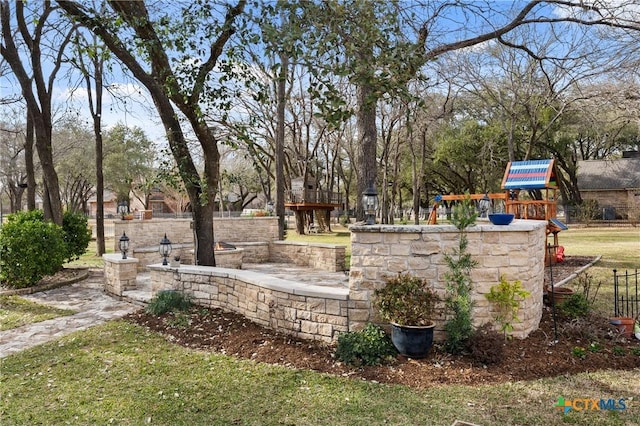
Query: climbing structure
[[538, 179], [529, 193]]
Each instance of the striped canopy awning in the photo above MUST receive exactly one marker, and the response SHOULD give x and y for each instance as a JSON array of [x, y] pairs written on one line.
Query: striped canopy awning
[[534, 174]]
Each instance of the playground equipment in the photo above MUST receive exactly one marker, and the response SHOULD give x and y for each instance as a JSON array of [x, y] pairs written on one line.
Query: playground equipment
[[529, 193]]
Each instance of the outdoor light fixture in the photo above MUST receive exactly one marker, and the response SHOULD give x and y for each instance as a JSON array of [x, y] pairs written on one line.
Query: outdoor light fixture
[[165, 249], [370, 204], [122, 209], [484, 205], [123, 245], [270, 207]]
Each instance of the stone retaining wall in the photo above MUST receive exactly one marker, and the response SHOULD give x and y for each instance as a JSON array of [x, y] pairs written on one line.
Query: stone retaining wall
[[256, 252], [516, 250], [245, 229], [327, 257], [302, 310], [150, 255], [148, 233], [320, 313]]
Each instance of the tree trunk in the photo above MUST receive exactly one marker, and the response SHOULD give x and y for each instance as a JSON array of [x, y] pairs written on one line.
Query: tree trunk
[[51, 203], [38, 103], [203, 227], [29, 165], [366, 149], [100, 243], [279, 154]]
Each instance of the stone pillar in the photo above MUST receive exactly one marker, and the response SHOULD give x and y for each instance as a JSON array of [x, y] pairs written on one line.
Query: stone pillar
[[119, 274]]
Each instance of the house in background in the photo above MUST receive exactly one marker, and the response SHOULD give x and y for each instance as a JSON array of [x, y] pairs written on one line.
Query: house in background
[[158, 205], [613, 184]]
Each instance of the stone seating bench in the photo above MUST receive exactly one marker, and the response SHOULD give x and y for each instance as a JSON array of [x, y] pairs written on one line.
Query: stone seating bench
[[304, 310]]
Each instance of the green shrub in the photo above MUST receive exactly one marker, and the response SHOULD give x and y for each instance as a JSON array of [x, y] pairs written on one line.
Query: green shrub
[[26, 216], [458, 302], [77, 234], [619, 351], [506, 297], [579, 352], [406, 300], [167, 301], [575, 306], [30, 249], [370, 346]]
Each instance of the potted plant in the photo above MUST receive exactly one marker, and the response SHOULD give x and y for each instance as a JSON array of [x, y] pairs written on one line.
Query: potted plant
[[408, 303]]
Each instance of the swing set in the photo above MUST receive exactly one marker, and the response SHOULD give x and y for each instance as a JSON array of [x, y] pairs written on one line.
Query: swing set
[[529, 193]]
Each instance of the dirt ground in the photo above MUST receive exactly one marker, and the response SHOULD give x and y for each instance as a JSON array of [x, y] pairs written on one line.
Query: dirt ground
[[539, 355]]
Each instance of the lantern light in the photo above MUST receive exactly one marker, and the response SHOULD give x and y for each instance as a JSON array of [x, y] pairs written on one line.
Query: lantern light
[[165, 249], [484, 206], [123, 245], [370, 204]]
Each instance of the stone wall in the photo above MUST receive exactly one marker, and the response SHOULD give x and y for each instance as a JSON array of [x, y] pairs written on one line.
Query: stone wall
[[245, 229], [327, 257], [302, 310], [516, 251], [256, 252], [148, 233], [320, 313], [119, 274]]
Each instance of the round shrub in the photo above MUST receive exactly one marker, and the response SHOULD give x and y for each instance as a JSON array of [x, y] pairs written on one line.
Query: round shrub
[[77, 234], [575, 306], [30, 249], [370, 346]]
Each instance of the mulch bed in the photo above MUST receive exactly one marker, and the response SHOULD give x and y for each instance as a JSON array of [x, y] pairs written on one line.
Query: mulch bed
[[547, 352]]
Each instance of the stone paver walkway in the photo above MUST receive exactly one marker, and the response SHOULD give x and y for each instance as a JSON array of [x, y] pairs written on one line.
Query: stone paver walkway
[[86, 297], [94, 306]]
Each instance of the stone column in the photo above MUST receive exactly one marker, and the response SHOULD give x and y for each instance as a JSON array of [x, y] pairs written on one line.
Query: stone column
[[119, 274]]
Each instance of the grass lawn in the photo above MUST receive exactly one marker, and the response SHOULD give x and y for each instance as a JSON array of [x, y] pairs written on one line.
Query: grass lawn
[[16, 311], [118, 373], [619, 248], [90, 259]]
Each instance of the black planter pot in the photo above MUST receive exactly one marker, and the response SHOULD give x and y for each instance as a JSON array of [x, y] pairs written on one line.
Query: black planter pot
[[412, 341]]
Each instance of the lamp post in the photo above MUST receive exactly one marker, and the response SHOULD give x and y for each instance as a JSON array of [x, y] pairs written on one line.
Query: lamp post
[[370, 204], [484, 205], [122, 209], [165, 249], [123, 245]]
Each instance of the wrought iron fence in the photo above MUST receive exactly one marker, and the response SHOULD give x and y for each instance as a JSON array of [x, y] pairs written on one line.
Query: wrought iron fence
[[625, 294], [594, 214]]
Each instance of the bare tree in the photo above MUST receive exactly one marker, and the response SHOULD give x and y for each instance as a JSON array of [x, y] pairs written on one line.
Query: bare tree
[[37, 32], [90, 60], [170, 88]]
